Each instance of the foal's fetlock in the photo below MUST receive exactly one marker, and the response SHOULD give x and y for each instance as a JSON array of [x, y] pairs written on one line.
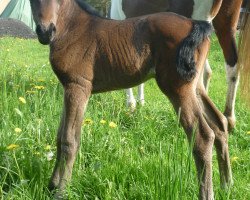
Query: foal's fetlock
[[231, 122]]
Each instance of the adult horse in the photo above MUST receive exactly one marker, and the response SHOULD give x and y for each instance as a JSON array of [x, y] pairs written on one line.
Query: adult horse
[[223, 13], [90, 54]]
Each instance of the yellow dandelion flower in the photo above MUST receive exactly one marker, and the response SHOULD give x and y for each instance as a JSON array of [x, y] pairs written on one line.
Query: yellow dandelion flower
[[88, 121], [39, 87], [235, 158], [12, 146], [48, 147], [8, 50], [18, 130], [248, 132], [112, 125], [103, 121], [22, 100]]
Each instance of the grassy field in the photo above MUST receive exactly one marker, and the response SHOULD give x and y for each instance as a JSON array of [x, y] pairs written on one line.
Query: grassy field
[[143, 155]]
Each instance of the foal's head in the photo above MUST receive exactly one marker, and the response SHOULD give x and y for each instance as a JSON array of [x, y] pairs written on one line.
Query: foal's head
[[45, 16]]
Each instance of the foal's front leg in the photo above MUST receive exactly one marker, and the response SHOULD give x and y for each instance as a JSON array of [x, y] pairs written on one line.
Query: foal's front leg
[[75, 100]]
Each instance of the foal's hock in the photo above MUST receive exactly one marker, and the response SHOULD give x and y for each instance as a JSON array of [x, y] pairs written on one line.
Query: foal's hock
[[90, 54]]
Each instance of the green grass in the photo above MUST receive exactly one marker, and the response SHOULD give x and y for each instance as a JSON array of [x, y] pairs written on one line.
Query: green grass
[[145, 157]]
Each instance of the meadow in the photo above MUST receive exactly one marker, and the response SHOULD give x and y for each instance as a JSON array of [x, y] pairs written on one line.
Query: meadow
[[123, 155]]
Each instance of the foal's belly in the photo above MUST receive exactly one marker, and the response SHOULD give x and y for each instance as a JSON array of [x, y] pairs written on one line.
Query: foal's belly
[[116, 80]]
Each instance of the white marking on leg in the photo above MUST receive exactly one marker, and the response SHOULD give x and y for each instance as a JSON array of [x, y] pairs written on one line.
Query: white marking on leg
[[116, 10], [141, 94], [202, 9], [131, 102], [233, 82]]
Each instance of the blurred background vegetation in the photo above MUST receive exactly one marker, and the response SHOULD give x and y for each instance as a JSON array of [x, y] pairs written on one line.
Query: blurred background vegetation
[[101, 5]]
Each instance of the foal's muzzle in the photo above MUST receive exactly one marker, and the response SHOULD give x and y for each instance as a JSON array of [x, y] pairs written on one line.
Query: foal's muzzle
[[45, 34]]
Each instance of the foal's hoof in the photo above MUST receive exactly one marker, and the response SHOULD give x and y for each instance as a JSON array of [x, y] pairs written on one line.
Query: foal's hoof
[[52, 186], [59, 195]]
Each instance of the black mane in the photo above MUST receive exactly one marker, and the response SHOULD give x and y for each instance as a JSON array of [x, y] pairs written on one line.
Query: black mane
[[89, 9]]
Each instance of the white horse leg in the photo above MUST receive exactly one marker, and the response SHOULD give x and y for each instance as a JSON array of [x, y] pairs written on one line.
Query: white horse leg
[[207, 75], [141, 94], [131, 102], [233, 82]]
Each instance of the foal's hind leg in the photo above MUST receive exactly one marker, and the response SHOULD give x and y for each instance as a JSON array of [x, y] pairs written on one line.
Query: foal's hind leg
[[195, 126], [218, 123], [75, 100]]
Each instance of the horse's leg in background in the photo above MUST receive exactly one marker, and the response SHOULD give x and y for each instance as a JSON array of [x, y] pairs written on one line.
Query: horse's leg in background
[[225, 24], [131, 102], [75, 100], [207, 75], [141, 94]]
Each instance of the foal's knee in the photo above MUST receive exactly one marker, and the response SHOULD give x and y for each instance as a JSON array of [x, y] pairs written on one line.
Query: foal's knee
[[68, 149]]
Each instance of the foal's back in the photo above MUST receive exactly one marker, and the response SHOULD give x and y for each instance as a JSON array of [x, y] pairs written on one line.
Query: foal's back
[[125, 52]]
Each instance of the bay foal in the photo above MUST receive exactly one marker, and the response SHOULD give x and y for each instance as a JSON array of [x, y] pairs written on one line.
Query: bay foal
[[223, 14], [90, 54]]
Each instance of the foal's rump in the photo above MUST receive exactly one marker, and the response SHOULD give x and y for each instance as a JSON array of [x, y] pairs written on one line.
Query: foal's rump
[[182, 37]]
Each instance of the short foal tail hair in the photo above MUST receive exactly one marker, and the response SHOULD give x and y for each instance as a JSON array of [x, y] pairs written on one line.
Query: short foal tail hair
[[185, 53]]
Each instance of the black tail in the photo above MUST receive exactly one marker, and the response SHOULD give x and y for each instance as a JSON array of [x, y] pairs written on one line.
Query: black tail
[[185, 53]]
